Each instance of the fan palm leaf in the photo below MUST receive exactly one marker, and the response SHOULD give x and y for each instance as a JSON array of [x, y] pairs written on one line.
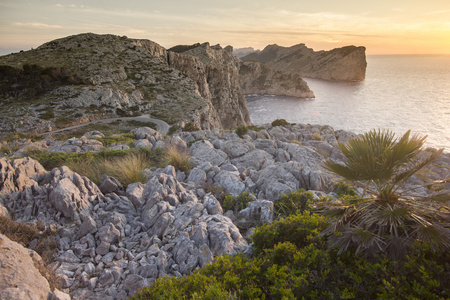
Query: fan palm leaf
[[389, 221]]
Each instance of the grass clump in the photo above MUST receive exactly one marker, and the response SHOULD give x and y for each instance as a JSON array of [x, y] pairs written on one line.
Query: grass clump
[[317, 137], [280, 122], [127, 169], [124, 165], [127, 139], [179, 158]]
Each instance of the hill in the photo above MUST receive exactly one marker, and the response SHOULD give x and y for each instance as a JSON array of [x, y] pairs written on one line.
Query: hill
[[88, 76]]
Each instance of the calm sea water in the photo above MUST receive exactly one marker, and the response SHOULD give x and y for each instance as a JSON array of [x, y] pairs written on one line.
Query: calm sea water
[[399, 93]]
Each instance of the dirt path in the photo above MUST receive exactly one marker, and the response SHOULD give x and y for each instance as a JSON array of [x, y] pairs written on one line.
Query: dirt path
[[162, 126]]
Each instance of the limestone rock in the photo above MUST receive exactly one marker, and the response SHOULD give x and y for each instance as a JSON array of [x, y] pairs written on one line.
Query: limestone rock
[[19, 277], [257, 78]]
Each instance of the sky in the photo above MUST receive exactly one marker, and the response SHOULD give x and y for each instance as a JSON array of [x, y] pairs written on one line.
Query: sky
[[382, 26]]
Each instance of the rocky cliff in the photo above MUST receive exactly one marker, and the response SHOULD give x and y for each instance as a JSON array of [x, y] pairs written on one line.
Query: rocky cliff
[[346, 63], [87, 76], [216, 74], [257, 78]]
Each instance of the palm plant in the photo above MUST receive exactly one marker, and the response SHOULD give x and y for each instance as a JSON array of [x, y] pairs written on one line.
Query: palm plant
[[387, 218]]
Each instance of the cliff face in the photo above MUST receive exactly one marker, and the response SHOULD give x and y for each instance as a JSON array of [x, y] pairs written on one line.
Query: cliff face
[[117, 76], [216, 74], [257, 78], [343, 64]]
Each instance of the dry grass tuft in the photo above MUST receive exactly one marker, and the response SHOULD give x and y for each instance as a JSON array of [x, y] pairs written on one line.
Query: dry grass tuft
[[179, 158], [127, 169]]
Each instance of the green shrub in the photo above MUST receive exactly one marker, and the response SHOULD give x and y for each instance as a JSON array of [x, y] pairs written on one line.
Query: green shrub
[[300, 229], [241, 130], [280, 122], [236, 203], [342, 188], [190, 127], [295, 267], [172, 130], [293, 203]]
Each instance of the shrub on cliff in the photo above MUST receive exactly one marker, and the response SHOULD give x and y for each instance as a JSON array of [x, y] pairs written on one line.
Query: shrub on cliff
[[390, 220], [293, 203], [280, 122]]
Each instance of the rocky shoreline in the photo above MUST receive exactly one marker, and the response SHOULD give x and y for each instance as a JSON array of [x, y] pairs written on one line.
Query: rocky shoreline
[[114, 240]]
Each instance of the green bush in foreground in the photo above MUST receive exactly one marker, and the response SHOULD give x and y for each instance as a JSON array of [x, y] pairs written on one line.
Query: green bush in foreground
[[293, 203], [294, 265]]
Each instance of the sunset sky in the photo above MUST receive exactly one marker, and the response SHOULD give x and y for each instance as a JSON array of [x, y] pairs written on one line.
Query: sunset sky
[[383, 26]]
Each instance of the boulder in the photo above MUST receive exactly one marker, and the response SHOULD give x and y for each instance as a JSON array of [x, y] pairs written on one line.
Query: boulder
[[19, 276]]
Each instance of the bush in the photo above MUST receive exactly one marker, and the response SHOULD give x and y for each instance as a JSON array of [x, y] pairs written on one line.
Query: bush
[[307, 270], [238, 203], [300, 229], [293, 203], [341, 188], [172, 130], [295, 270], [190, 127], [280, 122], [241, 130]]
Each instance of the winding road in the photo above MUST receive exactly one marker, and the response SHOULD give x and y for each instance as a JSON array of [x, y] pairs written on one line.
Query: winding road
[[161, 126]]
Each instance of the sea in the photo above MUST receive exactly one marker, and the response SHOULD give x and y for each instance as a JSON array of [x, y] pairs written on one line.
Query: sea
[[400, 92]]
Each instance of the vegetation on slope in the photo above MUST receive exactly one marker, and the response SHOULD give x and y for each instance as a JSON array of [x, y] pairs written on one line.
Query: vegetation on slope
[[304, 255]]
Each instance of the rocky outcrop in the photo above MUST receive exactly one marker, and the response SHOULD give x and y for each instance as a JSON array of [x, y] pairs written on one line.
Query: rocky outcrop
[[346, 63], [216, 74], [19, 274], [257, 78]]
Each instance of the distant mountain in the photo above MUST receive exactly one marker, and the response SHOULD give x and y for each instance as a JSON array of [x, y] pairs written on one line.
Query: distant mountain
[[343, 64], [241, 52]]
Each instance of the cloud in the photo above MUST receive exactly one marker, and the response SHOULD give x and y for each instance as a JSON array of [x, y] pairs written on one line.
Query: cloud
[[36, 25]]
